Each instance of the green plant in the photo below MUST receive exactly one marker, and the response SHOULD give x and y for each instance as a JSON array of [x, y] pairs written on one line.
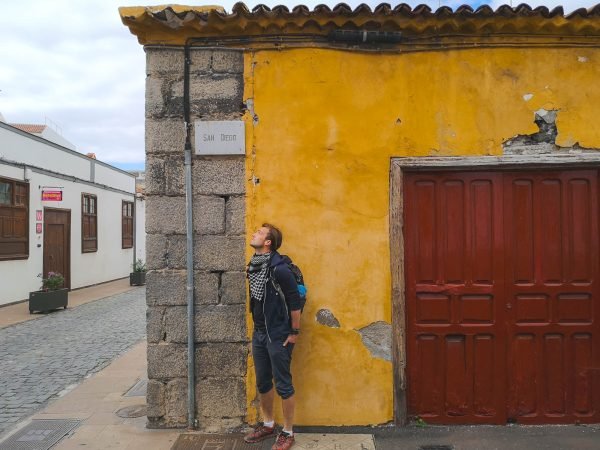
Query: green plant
[[420, 422], [139, 266], [53, 281]]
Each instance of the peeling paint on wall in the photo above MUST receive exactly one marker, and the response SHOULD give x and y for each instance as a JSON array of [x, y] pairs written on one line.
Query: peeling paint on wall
[[527, 97], [326, 317], [377, 337], [544, 141]]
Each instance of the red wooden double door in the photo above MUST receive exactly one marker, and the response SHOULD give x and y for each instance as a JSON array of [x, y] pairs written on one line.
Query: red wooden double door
[[502, 296]]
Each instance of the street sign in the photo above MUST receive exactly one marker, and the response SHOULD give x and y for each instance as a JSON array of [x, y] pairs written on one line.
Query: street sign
[[220, 137]]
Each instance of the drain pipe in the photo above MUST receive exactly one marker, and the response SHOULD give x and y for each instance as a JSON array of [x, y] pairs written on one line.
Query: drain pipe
[[192, 422]]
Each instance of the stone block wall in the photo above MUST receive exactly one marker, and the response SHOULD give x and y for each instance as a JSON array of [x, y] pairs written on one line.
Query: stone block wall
[[216, 90]]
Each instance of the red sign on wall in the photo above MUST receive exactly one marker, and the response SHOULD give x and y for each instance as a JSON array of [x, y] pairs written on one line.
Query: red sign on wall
[[38, 215], [52, 196], [38, 228]]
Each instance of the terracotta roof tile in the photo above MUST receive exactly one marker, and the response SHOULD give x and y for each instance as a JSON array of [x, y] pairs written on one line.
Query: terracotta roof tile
[[175, 24], [29, 128]]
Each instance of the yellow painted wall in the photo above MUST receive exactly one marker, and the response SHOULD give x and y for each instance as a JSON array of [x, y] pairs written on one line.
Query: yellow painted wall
[[327, 124]]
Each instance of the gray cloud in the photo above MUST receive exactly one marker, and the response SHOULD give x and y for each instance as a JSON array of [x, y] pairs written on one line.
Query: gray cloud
[[74, 62]]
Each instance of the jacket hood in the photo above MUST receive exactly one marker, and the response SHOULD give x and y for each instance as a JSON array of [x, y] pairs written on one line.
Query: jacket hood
[[277, 259]]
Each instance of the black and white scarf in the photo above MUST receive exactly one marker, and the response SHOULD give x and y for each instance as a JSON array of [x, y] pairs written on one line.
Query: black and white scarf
[[258, 270]]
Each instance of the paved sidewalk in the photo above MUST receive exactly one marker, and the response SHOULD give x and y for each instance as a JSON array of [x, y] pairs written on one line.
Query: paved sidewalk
[[41, 358], [10, 315], [98, 399], [91, 338], [96, 402]]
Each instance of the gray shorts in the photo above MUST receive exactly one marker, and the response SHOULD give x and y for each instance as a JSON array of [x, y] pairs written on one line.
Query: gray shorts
[[272, 361]]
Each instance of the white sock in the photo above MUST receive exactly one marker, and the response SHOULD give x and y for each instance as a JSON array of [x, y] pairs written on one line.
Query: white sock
[[290, 432], [270, 424]]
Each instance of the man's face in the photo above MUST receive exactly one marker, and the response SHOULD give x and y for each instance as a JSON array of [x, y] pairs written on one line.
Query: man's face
[[259, 238]]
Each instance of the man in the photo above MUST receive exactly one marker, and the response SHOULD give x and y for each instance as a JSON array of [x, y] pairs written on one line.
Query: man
[[276, 329]]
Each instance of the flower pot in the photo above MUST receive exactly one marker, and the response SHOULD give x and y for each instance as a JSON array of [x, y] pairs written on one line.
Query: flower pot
[[45, 301], [137, 278]]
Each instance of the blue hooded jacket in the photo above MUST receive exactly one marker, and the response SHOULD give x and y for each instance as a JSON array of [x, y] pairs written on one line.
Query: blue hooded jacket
[[277, 310]]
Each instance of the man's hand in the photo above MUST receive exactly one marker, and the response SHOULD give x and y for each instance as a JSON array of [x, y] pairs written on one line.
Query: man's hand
[[291, 339]]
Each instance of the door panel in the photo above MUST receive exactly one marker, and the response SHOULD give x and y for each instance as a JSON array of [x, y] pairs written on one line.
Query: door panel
[[57, 240], [551, 223], [501, 296], [454, 257]]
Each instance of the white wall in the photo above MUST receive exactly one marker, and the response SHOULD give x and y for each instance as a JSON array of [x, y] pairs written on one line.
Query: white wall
[[24, 148], [106, 176], [34, 151], [19, 277], [110, 262], [51, 135]]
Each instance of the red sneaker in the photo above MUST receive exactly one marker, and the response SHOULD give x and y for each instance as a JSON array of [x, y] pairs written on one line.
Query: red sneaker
[[259, 433], [283, 442]]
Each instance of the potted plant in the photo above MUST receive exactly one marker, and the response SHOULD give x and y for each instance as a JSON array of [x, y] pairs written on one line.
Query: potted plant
[[52, 294], [138, 276]]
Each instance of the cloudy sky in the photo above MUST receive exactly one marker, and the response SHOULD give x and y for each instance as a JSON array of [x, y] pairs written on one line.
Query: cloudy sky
[[74, 65]]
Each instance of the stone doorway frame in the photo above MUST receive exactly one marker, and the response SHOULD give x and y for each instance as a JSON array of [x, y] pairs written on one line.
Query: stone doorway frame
[[560, 160]]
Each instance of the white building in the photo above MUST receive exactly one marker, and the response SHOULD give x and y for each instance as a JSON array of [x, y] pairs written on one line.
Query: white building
[[44, 131], [62, 211]]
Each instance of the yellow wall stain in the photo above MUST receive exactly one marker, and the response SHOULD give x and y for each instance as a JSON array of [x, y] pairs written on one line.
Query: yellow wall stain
[[328, 123]]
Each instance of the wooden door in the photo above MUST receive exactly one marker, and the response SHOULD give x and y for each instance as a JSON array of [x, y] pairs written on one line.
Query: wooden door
[[57, 243], [552, 296], [502, 296], [454, 301]]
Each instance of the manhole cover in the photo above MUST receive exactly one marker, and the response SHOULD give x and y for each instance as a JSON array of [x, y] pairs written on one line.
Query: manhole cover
[[138, 389], [212, 442], [436, 447], [130, 412], [39, 434]]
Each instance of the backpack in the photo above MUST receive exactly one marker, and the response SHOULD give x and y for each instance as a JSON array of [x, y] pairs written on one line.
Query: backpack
[[298, 277]]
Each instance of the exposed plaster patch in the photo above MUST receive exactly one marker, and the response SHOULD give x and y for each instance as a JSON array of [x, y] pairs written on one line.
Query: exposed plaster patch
[[527, 97], [326, 317], [544, 141], [582, 59], [548, 117], [250, 108], [377, 337]]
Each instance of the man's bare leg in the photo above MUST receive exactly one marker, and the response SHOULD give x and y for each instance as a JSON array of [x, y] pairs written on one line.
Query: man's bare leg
[[263, 432], [289, 406], [266, 405]]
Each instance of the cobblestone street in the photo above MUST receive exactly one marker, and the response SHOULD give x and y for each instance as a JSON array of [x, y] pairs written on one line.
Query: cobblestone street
[[42, 357]]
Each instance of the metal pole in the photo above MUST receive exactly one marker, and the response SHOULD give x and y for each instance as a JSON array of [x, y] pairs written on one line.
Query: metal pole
[[192, 423]]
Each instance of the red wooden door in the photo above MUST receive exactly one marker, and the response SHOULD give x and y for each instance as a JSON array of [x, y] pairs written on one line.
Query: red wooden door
[[455, 314], [501, 275], [57, 243], [552, 295]]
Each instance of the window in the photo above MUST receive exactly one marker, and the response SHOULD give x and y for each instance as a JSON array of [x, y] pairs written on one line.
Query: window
[[14, 219], [89, 223], [127, 225]]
